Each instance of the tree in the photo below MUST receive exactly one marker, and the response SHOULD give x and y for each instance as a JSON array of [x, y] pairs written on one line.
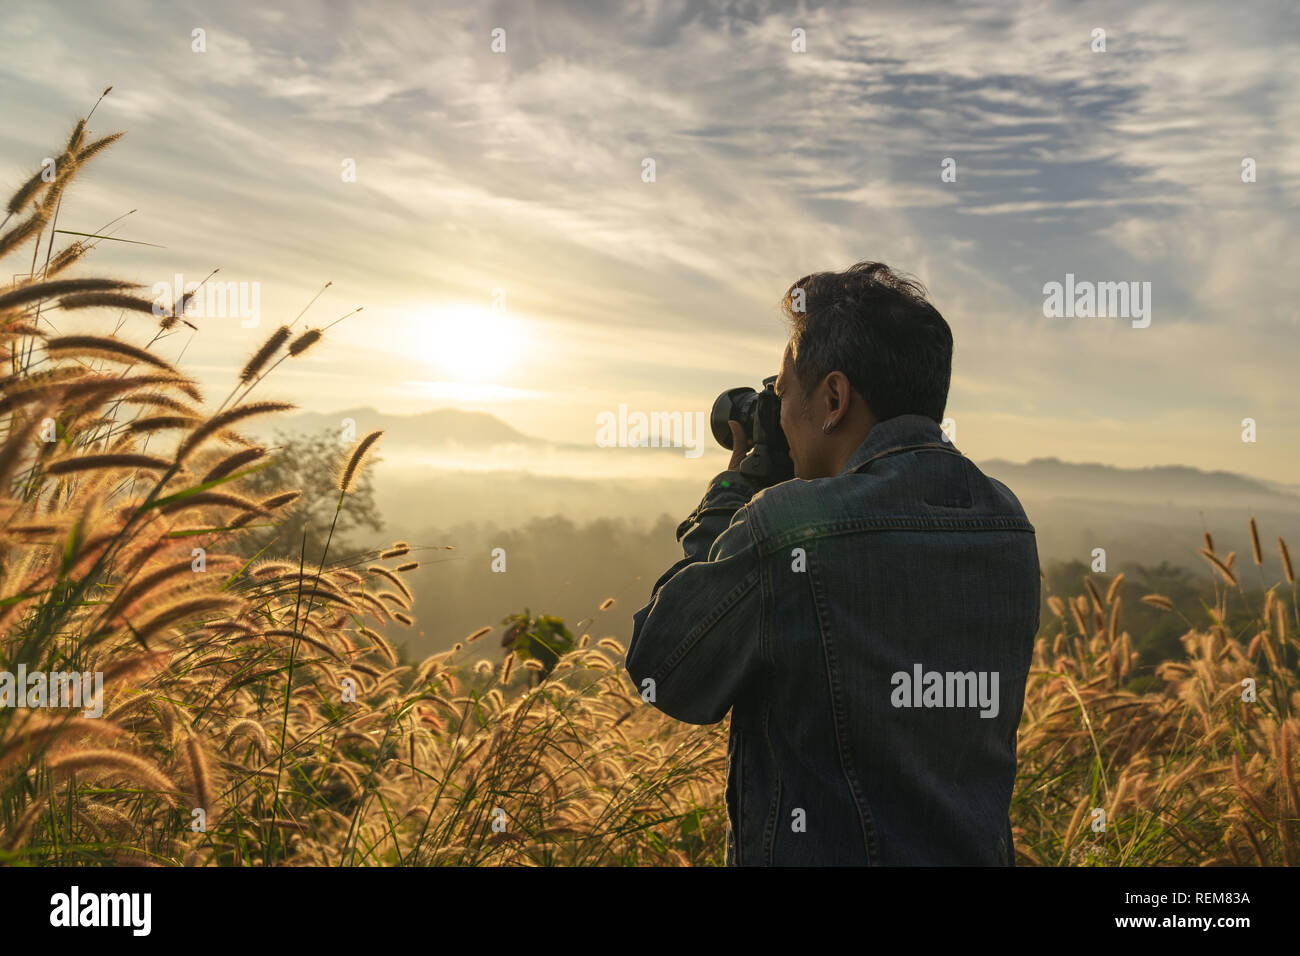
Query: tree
[[310, 464], [543, 639]]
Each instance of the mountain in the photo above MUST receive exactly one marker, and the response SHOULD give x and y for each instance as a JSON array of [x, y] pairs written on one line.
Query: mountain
[[583, 523], [439, 426], [446, 466], [1162, 484]]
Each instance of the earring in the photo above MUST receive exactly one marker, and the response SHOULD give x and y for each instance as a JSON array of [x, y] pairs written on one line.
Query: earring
[[826, 429]]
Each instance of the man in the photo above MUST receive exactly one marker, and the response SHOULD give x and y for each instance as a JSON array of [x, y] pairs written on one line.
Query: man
[[870, 623]]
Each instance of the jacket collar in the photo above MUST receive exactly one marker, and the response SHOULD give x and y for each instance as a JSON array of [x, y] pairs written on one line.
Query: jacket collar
[[895, 433]]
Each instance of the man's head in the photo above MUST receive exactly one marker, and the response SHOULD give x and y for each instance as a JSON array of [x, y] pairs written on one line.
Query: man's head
[[865, 346]]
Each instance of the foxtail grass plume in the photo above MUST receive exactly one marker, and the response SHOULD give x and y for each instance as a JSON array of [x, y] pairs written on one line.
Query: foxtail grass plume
[[232, 463], [280, 500], [355, 459], [34, 291], [221, 420], [103, 346], [1158, 600], [107, 300], [305, 341], [263, 355], [1223, 567]]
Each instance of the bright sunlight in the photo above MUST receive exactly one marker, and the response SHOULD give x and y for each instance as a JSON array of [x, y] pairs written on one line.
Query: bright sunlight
[[468, 343]]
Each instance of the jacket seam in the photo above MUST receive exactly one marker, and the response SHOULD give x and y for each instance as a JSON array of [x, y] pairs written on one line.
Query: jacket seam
[[846, 762], [694, 634], [905, 447], [774, 805], [740, 794], [910, 523], [766, 594]]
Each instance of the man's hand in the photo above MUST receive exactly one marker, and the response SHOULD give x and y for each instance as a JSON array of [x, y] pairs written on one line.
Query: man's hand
[[740, 445]]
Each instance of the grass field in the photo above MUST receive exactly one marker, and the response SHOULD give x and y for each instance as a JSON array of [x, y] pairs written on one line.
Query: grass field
[[254, 714]]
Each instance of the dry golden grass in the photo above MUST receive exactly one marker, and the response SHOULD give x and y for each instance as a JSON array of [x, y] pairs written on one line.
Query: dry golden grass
[[228, 689], [1199, 774]]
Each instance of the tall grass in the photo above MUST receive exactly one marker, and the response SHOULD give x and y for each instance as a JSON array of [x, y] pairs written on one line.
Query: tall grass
[[253, 714], [256, 716], [1200, 773]]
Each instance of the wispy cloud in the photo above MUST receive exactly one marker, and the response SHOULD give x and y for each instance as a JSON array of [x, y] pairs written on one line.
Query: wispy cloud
[[521, 171]]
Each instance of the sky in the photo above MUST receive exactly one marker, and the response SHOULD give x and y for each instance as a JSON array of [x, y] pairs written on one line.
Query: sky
[[489, 209]]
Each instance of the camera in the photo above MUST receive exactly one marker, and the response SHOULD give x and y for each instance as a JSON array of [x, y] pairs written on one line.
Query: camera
[[759, 413]]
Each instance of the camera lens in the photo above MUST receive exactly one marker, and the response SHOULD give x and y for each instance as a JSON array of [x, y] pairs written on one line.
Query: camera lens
[[735, 404]]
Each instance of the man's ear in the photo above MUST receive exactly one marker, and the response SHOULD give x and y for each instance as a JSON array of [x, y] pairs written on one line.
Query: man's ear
[[837, 390]]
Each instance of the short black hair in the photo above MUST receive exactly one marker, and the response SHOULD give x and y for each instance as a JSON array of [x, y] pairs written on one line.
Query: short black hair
[[877, 327]]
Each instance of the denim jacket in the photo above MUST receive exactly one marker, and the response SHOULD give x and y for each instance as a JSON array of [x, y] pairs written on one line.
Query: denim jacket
[[871, 635]]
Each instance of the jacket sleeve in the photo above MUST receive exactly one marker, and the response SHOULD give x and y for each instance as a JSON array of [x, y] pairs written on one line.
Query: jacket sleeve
[[697, 639]]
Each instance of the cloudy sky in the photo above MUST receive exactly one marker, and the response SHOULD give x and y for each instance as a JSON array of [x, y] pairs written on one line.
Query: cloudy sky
[[515, 179]]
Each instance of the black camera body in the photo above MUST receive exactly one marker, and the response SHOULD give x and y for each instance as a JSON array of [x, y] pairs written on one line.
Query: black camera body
[[759, 412]]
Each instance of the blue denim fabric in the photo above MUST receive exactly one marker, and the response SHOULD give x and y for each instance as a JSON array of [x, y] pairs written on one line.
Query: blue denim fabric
[[795, 607]]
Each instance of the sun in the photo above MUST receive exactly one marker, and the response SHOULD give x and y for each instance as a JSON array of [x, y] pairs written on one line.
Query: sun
[[468, 343]]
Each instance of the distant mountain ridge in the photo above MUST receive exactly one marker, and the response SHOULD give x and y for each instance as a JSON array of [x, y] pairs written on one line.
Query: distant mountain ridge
[[1039, 477], [439, 426], [1157, 483], [1137, 514]]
